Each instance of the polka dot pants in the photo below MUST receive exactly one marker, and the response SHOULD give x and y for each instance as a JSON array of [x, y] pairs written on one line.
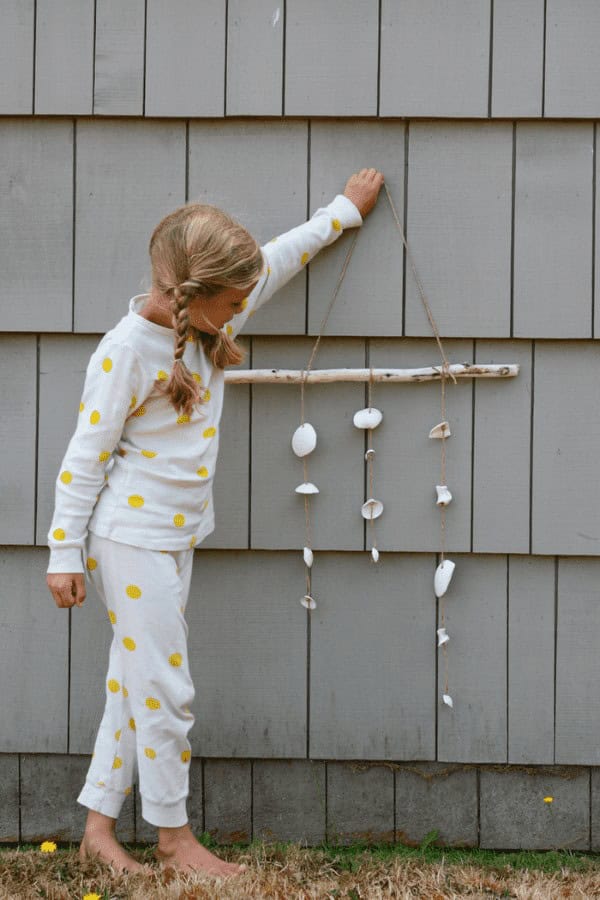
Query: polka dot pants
[[148, 685]]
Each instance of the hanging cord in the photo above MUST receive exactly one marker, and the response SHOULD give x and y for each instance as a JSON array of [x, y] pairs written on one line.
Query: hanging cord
[[370, 457]]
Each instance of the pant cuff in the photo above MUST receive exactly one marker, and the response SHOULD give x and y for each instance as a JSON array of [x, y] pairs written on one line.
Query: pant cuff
[[101, 799], [165, 815]]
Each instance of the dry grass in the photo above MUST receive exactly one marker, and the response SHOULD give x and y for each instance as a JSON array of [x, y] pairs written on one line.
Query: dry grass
[[285, 871]]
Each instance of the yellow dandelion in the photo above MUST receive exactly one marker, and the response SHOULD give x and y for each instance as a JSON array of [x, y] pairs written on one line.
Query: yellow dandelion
[[152, 703], [150, 753], [548, 799], [48, 847], [185, 755], [92, 897], [175, 659]]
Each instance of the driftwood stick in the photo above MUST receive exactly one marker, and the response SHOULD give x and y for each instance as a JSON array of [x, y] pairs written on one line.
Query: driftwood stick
[[429, 373]]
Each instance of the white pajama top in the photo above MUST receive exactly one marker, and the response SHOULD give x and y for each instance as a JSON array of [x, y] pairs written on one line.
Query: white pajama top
[[135, 470]]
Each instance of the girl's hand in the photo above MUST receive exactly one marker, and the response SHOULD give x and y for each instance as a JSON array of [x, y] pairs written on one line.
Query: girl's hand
[[363, 188], [67, 589]]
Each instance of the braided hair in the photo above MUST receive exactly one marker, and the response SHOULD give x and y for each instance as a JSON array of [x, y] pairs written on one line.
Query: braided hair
[[197, 251]]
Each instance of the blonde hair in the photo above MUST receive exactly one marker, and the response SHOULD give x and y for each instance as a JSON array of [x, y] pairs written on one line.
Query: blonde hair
[[197, 251]]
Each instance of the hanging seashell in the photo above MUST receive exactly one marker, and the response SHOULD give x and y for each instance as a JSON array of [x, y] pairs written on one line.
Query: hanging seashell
[[443, 495], [372, 509], [442, 577], [307, 487], [442, 636], [375, 554], [304, 440], [440, 431], [369, 454], [308, 556], [448, 700], [308, 602], [368, 418]]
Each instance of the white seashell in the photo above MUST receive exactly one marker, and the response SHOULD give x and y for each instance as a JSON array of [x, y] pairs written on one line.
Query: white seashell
[[448, 700], [375, 554], [372, 509], [444, 496], [308, 556], [441, 430], [442, 577], [307, 487], [304, 440], [368, 418], [369, 454], [442, 636], [308, 602]]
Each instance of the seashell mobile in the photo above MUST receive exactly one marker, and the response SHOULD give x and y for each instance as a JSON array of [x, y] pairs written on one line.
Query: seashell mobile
[[304, 440]]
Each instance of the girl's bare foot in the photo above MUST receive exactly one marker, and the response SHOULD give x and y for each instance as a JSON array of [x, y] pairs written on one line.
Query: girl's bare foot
[[179, 849], [99, 841]]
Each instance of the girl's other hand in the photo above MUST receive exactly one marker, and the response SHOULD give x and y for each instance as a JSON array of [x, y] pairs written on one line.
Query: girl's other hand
[[363, 189], [67, 590]]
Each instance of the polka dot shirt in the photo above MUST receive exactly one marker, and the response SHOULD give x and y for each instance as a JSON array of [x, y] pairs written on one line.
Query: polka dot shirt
[[135, 469]]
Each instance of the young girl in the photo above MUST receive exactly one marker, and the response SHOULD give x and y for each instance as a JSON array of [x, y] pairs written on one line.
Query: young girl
[[149, 415]]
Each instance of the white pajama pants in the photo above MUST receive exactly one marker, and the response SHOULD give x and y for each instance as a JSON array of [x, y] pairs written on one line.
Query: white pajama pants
[[148, 684]]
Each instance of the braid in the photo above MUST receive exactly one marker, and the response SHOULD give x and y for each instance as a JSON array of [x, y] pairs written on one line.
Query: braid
[[179, 305], [181, 388]]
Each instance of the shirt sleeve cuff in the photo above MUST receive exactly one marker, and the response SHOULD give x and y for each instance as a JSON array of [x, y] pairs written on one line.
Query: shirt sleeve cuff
[[344, 209], [65, 560]]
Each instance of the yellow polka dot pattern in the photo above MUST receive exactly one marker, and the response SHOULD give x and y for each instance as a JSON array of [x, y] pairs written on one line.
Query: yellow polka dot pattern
[[304, 259], [140, 412], [209, 432], [181, 420], [175, 659], [118, 735], [117, 763], [129, 643], [95, 417], [206, 395], [91, 563], [132, 724], [125, 691], [59, 534], [161, 375], [336, 224], [202, 472], [133, 401], [66, 477], [197, 377], [229, 330], [149, 453], [204, 505], [179, 520], [112, 616], [185, 756], [152, 703], [133, 591], [114, 686], [81, 407], [135, 500], [127, 791], [150, 753], [244, 303], [192, 540], [104, 455], [107, 364]]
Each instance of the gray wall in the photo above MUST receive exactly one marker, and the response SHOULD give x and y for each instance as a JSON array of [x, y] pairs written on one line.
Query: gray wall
[[482, 117]]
